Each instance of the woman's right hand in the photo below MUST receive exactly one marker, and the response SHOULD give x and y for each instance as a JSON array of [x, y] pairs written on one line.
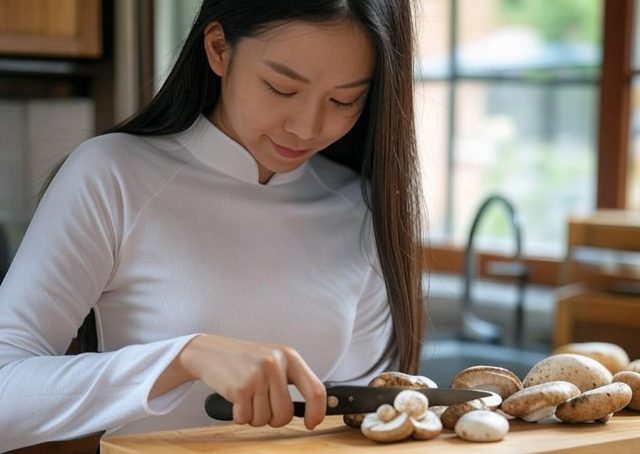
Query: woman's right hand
[[250, 375]]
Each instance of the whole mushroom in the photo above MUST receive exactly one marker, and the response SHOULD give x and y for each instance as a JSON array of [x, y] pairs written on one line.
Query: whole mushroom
[[584, 372], [597, 404], [610, 355], [482, 425], [539, 401], [451, 415], [634, 366], [633, 380]]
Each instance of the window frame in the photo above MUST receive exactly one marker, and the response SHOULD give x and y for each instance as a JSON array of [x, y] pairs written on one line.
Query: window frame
[[612, 148]]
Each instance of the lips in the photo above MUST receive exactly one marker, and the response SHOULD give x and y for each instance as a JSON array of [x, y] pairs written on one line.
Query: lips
[[289, 153]]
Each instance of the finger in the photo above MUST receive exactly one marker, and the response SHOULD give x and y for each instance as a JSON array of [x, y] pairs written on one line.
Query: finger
[[280, 399], [261, 409], [243, 411], [311, 388]]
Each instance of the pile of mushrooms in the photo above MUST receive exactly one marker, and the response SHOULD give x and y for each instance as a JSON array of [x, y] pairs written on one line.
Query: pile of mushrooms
[[577, 383]]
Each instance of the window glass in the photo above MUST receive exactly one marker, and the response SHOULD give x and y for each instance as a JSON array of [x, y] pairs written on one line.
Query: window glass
[[521, 84]]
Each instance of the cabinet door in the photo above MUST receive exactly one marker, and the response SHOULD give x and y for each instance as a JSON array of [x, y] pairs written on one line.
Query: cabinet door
[[52, 28]]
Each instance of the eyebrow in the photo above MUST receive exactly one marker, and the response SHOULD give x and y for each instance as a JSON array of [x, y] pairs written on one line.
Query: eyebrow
[[291, 74]]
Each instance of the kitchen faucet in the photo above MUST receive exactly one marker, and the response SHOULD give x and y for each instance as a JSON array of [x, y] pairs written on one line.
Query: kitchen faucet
[[473, 327]]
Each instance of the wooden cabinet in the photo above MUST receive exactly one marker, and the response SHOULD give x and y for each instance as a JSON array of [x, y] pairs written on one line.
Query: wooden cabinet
[[52, 28], [602, 300]]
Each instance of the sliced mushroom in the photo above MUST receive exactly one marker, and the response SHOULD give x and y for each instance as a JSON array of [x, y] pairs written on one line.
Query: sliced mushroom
[[482, 425], [595, 404], [539, 401], [633, 380], [488, 378], [610, 355], [391, 378], [493, 401], [584, 372], [411, 402], [427, 427], [397, 429], [634, 366], [451, 415]]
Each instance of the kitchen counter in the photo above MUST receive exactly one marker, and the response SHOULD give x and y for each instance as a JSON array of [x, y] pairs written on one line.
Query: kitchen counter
[[621, 435]]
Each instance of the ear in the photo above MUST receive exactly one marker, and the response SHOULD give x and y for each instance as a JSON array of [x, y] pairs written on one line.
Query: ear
[[216, 48]]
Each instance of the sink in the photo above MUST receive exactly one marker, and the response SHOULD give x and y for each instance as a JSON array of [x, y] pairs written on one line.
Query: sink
[[443, 359]]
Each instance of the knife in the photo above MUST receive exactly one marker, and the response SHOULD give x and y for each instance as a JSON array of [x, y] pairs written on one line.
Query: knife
[[354, 399]]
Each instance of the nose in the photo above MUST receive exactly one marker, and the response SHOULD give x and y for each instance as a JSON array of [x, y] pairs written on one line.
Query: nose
[[306, 122]]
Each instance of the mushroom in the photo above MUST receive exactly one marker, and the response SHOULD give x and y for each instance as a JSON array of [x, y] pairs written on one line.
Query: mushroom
[[488, 378], [612, 356], [634, 366], [398, 428], [427, 427], [391, 378], [584, 372], [451, 415], [596, 404], [482, 425], [411, 402], [493, 401], [403, 380], [409, 415], [633, 380], [539, 401]]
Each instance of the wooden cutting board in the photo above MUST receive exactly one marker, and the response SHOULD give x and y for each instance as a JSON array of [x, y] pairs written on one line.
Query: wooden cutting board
[[621, 435]]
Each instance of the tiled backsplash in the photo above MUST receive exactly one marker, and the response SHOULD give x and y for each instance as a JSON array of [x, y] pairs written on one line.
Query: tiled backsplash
[[34, 135]]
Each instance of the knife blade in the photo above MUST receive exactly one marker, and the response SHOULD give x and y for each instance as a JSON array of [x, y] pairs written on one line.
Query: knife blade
[[347, 399]]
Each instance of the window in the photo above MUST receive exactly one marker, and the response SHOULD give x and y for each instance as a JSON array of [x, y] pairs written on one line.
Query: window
[[633, 175], [507, 97]]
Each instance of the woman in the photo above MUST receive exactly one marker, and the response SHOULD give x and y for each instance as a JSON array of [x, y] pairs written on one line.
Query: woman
[[256, 225]]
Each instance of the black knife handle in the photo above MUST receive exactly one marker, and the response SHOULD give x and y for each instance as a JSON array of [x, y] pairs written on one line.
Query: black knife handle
[[217, 407]]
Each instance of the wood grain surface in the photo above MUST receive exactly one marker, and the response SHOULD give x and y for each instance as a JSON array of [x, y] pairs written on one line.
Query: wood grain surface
[[621, 435]]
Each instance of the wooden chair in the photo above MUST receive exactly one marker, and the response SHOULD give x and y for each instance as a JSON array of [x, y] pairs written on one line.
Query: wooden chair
[[601, 301]]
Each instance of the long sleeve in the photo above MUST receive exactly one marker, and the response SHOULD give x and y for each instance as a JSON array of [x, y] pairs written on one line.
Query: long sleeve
[[62, 267]]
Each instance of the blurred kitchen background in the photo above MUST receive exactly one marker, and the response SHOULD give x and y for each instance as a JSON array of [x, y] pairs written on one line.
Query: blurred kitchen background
[[529, 130]]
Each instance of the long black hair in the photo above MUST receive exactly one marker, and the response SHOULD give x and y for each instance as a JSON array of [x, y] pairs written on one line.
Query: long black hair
[[380, 147]]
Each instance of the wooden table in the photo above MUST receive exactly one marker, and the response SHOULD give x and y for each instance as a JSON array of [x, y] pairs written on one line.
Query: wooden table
[[621, 435]]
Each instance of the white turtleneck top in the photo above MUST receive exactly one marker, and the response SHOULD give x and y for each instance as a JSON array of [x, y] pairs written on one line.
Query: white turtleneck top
[[167, 237]]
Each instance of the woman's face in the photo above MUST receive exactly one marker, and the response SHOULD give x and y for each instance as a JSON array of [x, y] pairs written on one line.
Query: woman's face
[[291, 91]]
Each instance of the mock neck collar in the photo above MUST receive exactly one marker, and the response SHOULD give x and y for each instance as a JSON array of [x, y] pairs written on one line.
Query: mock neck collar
[[218, 151]]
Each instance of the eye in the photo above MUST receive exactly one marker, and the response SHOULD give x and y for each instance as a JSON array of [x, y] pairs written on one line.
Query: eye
[[277, 93], [343, 105]]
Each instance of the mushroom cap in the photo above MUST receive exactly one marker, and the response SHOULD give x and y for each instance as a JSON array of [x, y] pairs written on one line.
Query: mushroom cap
[[538, 401], [633, 380], [427, 427], [488, 378], [412, 402], [584, 372], [397, 429], [386, 412], [596, 403], [610, 355], [451, 415], [482, 425], [400, 379], [634, 366]]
